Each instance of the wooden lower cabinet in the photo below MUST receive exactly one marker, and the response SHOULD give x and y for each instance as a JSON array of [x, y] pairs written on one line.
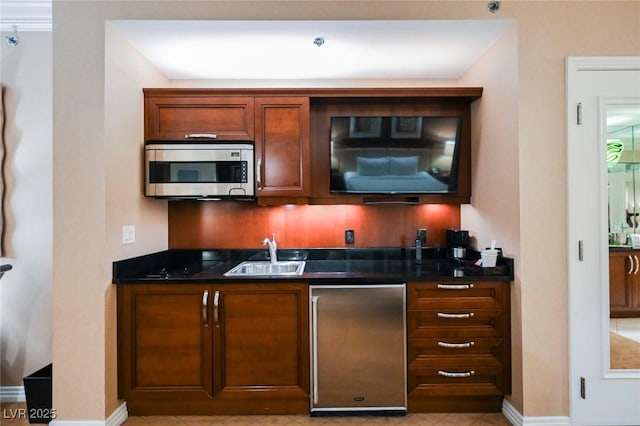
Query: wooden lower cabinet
[[262, 350], [213, 349], [624, 283], [459, 357], [243, 348]]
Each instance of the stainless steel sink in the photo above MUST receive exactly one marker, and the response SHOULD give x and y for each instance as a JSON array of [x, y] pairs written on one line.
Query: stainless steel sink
[[251, 268]]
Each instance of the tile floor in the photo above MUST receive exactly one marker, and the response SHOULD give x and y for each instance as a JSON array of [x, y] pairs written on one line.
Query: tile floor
[[8, 418], [627, 327]]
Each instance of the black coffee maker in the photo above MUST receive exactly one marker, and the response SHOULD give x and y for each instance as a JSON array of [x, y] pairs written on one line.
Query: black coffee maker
[[457, 243]]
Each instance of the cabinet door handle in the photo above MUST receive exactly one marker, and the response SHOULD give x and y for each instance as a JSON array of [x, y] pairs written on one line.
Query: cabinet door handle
[[630, 264], [455, 286], [635, 271], [456, 345], [216, 305], [450, 374], [455, 316], [259, 173], [205, 308], [201, 136]]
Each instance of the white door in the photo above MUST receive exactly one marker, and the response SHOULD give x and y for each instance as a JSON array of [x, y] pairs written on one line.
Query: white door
[[598, 394]]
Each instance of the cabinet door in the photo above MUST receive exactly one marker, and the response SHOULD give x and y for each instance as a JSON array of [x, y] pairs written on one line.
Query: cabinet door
[[282, 146], [183, 117], [164, 343], [621, 282], [262, 347], [635, 295]]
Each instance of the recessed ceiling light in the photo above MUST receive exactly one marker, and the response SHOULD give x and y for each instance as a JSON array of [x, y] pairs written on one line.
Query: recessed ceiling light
[[12, 39]]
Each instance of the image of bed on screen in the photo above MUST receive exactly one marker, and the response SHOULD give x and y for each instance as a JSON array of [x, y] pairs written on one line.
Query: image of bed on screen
[[394, 155]]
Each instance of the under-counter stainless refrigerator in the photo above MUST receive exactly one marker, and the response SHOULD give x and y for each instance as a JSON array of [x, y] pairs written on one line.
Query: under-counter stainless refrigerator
[[358, 349]]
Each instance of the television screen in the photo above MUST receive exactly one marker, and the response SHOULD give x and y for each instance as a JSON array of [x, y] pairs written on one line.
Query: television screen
[[394, 155]]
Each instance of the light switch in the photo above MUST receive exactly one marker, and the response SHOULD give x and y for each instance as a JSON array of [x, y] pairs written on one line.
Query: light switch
[[128, 234]]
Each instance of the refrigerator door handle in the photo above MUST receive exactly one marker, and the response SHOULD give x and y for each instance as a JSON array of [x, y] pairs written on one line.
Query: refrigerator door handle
[[314, 344]]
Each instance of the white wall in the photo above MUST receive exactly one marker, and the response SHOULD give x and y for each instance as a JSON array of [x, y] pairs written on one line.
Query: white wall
[[25, 291]]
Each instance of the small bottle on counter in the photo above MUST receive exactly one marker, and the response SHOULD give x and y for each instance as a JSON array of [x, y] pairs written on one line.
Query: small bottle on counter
[[458, 270]]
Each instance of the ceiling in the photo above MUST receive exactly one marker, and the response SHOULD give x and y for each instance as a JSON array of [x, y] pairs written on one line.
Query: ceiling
[[25, 15], [407, 49]]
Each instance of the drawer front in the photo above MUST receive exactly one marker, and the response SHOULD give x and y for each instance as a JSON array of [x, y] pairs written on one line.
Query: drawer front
[[420, 349], [456, 376], [436, 295], [455, 323]]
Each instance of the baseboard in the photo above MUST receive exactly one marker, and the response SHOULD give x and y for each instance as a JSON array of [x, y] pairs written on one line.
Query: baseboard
[[517, 419], [116, 418], [119, 416], [513, 415], [12, 394]]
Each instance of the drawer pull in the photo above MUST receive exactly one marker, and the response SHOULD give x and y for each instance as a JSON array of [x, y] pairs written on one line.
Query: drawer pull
[[456, 345], [200, 136], [455, 316], [456, 375], [455, 286]]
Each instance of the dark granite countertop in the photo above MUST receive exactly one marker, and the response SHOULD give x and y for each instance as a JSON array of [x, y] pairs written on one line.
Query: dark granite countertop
[[620, 247], [322, 265]]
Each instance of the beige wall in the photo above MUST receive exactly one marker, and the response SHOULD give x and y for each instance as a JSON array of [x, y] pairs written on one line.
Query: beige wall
[[79, 214], [547, 36], [25, 291], [494, 211], [84, 229], [126, 73]]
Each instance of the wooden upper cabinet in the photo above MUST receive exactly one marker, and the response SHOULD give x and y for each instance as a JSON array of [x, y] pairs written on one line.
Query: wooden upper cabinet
[[282, 146], [291, 126], [188, 117]]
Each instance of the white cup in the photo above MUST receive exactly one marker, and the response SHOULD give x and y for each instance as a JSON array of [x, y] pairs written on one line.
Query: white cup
[[489, 258]]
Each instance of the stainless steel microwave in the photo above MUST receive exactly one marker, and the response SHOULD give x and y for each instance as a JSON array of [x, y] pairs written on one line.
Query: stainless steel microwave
[[220, 170]]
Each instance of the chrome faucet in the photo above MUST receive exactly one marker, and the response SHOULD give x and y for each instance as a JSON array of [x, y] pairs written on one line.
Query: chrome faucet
[[272, 246]]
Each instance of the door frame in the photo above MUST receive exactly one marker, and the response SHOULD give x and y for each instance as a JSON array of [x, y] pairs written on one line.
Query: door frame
[[593, 250]]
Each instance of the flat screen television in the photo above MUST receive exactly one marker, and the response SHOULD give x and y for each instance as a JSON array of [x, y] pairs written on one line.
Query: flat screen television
[[395, 155]]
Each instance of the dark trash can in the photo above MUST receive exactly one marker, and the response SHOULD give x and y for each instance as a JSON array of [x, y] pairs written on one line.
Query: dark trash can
[[37, 389]]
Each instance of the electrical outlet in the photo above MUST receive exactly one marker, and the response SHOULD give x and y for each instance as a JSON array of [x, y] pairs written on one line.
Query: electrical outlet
[[128, 234], [422, 235], [349, 236]]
